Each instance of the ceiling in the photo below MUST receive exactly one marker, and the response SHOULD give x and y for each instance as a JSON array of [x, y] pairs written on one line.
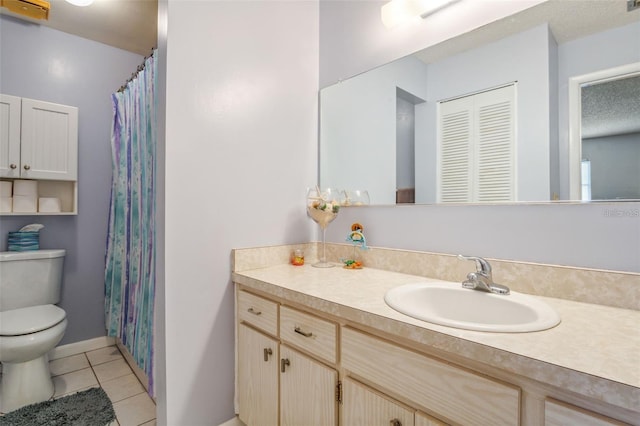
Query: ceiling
[[127, 24], [568, 20]]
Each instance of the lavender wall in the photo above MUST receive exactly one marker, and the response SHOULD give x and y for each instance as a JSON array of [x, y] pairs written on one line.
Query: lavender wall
[[40, 63]]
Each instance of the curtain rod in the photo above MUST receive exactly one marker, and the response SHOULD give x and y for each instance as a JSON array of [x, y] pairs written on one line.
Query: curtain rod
[[135, 74]]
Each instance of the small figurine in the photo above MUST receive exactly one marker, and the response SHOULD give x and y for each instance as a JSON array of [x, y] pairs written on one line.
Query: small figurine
[[357, 238]]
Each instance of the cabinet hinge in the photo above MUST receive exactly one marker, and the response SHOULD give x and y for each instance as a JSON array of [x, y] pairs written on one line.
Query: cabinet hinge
[[339, 392]]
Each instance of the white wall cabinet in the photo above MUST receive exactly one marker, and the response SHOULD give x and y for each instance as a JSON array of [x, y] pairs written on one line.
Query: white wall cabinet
[[39, 141]]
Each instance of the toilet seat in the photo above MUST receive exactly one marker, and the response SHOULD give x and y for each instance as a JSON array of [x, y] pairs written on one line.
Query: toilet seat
[[18, 322]]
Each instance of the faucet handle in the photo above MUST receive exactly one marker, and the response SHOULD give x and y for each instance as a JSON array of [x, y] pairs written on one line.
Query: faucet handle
[[481, 264]]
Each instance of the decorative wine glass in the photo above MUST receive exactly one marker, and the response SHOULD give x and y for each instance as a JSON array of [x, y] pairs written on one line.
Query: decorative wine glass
[[356, 197], [323, 206]]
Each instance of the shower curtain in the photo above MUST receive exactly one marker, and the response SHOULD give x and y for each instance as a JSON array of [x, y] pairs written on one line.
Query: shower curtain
[[130, 251]]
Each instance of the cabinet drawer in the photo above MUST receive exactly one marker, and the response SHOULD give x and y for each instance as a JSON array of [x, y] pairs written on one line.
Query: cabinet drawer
[[458, 395], [312, 334], [257, 311]]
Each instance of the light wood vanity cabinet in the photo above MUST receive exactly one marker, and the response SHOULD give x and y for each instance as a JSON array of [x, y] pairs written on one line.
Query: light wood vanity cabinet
[[296, 368], [277, 383]]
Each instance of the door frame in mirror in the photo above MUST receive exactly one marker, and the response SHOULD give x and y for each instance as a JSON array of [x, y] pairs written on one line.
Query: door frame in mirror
[[575, 118]]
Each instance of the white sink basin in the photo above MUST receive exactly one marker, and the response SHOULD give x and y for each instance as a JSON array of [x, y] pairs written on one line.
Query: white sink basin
[[449, 304]]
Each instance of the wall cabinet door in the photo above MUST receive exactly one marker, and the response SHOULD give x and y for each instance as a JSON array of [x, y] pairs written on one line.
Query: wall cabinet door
[[307, 391], [49, 141], [257, 378], [10, 136], [362, 406]]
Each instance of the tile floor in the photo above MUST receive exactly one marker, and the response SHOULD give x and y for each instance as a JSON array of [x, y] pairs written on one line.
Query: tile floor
[[106, 368]]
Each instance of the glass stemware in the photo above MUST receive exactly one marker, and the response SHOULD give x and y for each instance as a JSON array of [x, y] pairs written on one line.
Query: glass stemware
[[323, 206], [356, 197]]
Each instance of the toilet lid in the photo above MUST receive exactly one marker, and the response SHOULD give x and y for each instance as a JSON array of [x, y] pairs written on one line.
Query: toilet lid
[[21, 321]]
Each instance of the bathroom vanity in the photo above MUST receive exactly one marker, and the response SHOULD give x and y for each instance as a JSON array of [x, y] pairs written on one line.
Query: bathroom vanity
[[321, 347]]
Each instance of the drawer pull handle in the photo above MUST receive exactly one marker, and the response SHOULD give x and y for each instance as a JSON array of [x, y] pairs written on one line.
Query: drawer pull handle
[[27, 167], [267, 352], [395, 422], [304, 333], [283, 364], [13, 166], [254, 312]]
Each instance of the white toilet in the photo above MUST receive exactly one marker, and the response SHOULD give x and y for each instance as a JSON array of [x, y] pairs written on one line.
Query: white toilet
[[30, 324]]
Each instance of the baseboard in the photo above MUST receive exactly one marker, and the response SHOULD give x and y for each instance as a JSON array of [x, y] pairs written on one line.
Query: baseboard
[[80, 347], [235, 421], [134, 367]]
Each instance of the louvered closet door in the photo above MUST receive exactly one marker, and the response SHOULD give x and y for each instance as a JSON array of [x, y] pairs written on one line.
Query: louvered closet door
[[476, 147], [495, 135], [455, 153]]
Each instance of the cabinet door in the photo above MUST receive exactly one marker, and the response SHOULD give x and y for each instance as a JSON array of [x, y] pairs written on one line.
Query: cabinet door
[[362, 406], [49, 141], [558, 413], [307, 391], [10, 136], [257, 378]]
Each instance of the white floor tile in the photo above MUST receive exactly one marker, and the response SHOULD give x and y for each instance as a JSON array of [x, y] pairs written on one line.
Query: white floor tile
[[111, 370], [74, 381], [122, 387], [100, 356], [135, 411], [68, 364]]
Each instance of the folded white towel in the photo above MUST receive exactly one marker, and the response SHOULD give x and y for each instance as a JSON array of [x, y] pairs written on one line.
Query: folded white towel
[[49, 205], [25, 203], [25, 187], [6, 187], [6, 204]]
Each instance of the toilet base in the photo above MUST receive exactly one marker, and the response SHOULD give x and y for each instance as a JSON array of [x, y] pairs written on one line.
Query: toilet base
[[25, 383]]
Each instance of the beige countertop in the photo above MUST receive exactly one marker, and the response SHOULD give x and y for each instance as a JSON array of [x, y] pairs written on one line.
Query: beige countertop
[[594, 351]]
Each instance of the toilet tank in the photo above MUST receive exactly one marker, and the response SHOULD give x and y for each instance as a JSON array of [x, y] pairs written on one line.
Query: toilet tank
[[30, 278]]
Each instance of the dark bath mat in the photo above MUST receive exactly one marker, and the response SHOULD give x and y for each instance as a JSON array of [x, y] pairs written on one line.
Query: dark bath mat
[[87, 408]]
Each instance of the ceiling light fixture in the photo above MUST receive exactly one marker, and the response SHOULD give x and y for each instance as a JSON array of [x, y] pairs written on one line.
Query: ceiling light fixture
[[397, 12], [81, 3]]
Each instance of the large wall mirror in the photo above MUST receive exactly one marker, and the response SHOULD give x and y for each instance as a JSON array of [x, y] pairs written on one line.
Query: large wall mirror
[[488, 117]]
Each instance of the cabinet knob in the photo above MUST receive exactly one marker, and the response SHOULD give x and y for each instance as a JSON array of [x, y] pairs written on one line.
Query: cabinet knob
[[13, 166], [27, 167], [267, 352], [395, 422], [283, 364]]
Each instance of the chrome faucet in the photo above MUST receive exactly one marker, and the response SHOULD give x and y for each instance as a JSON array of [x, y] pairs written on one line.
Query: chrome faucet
[[482, 279]]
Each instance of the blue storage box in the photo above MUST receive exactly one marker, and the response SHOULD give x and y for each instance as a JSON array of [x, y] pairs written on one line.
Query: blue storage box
[[23, 241]]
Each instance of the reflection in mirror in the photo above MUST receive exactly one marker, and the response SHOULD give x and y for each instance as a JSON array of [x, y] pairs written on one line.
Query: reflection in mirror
[[605, 134], [610, 133], [382, 130]]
